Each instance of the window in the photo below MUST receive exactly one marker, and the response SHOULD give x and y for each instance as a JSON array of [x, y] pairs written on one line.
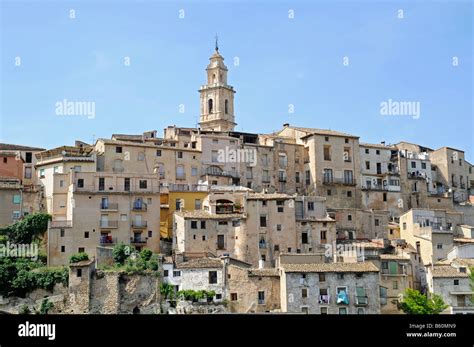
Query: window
[[194, 171], [143, 184], [327, 176], [212, 277], [310, 206], [329, 192], [340, 276], [304, 293], [150, 233], [263, 221], [28, 157], [63, 249], [304, 238], [233, 296], [61, 232], [222, 222], [327, 152], [377, 222], [126, 184], [439, 246], [236, 223], [276, 248], [203, 224], [261, 297], [56, 169], [16, 199], [158, 152], [307, 177], [165, 273], [61, 183], [118, 149], [209, 106], [413, 164], [141, 156], [86, 234], [404, 226], [360, 310], [342, 310], [79, 272], [349, 194], [456, 282], [423, 166], [384, 196], [41, 173], [197, 204], [348, 177], [326, 138], [264, 202], [280, 205], [367, 165], [81, 250], [349, 217], [176, 273], [323, 310], [180, 155], [323, 235], [28, 172], [322, 277], [194, 224], [101, 183], [5, 160], [278, 227]]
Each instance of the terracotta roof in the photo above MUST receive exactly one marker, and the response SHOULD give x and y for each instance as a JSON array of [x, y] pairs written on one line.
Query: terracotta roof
[[316, 131], [200, 263], [199, 214], [263, 272], [447, 271], [10, 147], [331, 267], [463, 240]]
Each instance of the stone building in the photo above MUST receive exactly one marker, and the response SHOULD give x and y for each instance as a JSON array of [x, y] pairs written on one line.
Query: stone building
[[453, 285], [330, 288]]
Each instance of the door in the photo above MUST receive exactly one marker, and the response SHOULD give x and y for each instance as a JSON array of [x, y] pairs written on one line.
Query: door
[[220, 242], [104, 221]]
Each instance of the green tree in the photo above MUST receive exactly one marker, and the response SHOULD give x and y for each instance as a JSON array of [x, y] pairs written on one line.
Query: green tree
[[166, 290], [146, 254], [46, 305], [415, 302], [27, 229], [121, 252]]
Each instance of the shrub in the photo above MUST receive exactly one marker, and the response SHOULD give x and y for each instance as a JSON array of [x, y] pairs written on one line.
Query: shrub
[[24, 309], [46, 305], [146, 254], [76, 258], [121, 252]]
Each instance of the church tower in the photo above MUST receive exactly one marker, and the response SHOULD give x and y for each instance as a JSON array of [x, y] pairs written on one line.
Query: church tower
[[217, 97]]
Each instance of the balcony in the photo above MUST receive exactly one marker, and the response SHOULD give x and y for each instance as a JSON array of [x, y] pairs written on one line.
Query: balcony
[[139, 224], [265, 179], [281, 178], [180, 176], [416, 175], [377, 187], [109, 206], [60, 224], [139, 207], [339, 181], [107, 240], [137, 241], [109, 224]]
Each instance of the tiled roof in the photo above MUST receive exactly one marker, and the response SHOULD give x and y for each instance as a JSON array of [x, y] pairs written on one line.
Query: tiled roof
[[447, 271], [263, 272], [463, 240], [316, 131], [377, 145], [200, 263], [331, 267], [199, 214], [10, 147]]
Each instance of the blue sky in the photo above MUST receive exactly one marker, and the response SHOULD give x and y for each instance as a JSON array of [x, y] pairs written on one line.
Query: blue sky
[[282, 61]]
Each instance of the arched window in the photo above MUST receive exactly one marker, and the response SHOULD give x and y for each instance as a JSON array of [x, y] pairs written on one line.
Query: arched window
[[226, 106], [213, 78], [209, 105]]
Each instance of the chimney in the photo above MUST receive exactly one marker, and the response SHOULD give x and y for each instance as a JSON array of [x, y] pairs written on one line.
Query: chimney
[[286, 125]]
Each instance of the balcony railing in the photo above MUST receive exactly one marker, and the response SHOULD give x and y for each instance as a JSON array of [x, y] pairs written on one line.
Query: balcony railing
[[343, 181], [109, 206], [137, 241], [416, 175], [107, 224], [139, 223], [108, 240], [376, 187], [117, 188], [281, 178], [139, 207]]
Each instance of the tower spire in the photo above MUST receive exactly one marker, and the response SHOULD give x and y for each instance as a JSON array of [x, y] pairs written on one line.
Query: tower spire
[[217, 43]]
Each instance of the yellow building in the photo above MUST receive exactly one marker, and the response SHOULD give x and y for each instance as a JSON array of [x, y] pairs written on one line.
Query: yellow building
[[179, 197]]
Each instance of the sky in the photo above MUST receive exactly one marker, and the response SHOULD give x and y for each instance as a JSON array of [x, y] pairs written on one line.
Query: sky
[[322, 64]]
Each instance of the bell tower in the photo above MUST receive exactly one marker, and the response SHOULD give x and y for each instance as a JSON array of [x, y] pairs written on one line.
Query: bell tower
[[217, 97]]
